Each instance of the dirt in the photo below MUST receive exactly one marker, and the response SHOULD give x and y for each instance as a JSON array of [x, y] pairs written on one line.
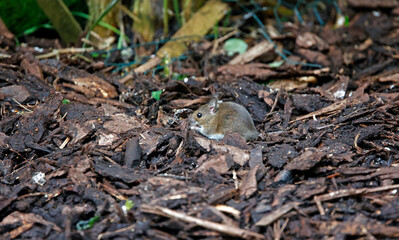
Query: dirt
[[84, 156]]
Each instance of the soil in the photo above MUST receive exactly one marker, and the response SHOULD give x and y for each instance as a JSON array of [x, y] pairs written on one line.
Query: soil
[[86, 156]]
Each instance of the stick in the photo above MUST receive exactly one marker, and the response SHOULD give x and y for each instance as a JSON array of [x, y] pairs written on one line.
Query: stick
[[222, 228]]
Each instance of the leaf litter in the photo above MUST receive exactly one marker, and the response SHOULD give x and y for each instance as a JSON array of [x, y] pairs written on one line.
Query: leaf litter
[[325, 164]]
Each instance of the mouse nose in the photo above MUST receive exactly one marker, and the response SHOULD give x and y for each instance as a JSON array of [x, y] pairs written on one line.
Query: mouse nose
[[191, 121]]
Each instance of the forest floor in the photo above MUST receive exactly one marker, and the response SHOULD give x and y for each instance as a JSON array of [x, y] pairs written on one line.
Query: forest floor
[[85, 155]]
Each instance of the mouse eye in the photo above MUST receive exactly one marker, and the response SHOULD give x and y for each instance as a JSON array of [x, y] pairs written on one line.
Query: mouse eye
[[199, 115]]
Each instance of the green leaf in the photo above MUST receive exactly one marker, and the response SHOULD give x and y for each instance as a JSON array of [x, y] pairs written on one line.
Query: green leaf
[[129, 204], [102, 24], [276, 64], [95, 55], [66, 101], [346, 21], [216, 31], [87, 224], [35, 28], [156, 94], [341, 21], [235, 45], [178, 76]]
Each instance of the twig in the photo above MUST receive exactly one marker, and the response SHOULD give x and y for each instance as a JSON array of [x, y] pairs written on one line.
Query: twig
[[8, 65], [66, 141], [277, 230], [110, 234], [109, 160], [337, 106], [167, 175], [57, 52], [222, 228], [273, 216], [22, 106], [348, 192], [4, 56], [16, 232], [275, 102], [221, 39]]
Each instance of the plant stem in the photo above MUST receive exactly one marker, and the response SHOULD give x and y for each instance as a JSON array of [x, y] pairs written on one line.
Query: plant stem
[[177, 12], [165, 19]]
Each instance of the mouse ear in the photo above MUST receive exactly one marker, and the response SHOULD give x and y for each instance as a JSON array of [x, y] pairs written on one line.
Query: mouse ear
[[213, 105]]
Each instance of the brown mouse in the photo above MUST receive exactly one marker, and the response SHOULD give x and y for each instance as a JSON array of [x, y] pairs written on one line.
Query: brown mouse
[[217, 118]]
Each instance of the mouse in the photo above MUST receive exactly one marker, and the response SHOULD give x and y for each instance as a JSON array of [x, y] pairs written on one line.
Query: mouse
[[217, 118]]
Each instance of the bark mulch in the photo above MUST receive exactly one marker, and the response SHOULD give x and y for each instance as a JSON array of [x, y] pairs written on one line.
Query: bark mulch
[[84, 156]]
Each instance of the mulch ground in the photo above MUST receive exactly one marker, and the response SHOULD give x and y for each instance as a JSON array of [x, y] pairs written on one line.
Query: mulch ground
[[84, 156]]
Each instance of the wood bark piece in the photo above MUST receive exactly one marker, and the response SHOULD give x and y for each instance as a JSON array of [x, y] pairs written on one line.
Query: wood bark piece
[[249, 185], [390, 78], [25, 218], [240, 156], [348, 192], [6, 37], [221, 163], [254, 52], [307, 160], [310, 40], [133, 153], [4, 30]]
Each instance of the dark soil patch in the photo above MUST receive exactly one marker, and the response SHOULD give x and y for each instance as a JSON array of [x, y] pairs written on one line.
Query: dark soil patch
[[324, 166]]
